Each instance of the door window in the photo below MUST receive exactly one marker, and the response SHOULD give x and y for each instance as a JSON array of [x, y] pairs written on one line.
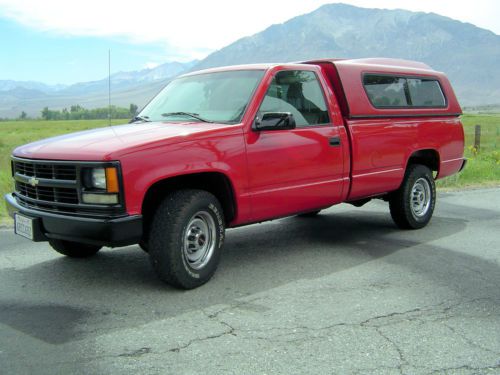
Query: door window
[[299, 93]]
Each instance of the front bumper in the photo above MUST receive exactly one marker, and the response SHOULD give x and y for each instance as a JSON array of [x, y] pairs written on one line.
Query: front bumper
[[122, 231]]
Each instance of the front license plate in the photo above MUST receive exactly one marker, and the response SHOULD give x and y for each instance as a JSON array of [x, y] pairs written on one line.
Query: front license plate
[[23, 226]]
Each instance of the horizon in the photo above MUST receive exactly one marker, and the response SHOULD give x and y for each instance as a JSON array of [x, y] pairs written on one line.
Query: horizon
[[66, 56]]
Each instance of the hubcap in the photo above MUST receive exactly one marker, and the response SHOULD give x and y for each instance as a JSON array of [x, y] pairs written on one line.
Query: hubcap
[[199, 240], [420, 198]]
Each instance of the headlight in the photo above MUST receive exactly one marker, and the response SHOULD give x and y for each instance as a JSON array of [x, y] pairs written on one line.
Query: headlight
[[100, 186], [98, 178], [101, 179]]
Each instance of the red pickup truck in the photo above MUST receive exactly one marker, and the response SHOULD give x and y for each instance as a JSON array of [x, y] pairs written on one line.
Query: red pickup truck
[[231, 146]]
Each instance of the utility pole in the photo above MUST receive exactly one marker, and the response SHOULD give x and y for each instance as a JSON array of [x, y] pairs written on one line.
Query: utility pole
[[109, 86]]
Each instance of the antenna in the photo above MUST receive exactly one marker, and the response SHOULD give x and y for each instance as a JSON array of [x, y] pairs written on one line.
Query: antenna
[[109, 86]]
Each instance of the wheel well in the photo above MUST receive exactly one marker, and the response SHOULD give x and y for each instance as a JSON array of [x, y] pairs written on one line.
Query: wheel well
[[216, 183], [429, 158]]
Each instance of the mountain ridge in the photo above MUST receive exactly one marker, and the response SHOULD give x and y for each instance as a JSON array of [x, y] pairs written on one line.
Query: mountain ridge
[[466, 53], [161, 71], [126, 87]]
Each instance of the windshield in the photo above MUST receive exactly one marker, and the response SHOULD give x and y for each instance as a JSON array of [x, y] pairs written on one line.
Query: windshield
[[211, 97]]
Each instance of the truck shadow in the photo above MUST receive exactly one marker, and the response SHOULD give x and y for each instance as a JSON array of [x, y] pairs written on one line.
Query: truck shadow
[[120, 282]]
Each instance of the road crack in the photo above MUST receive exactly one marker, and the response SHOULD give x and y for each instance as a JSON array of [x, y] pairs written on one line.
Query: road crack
[[136, 353], [402, 359], [469, 341], [206, 338]]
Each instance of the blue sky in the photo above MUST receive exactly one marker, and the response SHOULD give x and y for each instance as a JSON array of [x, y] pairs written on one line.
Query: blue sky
[[32, 55], [62, 41]]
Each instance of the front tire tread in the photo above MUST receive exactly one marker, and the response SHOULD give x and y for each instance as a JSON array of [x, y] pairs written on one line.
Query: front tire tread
[[165, 239]]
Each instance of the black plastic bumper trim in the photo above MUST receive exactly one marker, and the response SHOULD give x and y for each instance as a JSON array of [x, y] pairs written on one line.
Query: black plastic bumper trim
[[120, 231]]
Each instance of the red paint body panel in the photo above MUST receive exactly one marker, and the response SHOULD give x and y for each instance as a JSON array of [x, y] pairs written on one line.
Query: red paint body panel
[[110, 143], [222, 152], [293, 171], [279, 173], [381, 149]]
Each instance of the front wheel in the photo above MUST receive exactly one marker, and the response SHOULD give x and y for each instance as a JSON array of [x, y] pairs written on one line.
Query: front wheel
[[412, 205], [74, 249], [186, 237]]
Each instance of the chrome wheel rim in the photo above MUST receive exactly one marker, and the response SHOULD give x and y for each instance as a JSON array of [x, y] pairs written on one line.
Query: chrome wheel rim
[[199, 240], [420, 198]]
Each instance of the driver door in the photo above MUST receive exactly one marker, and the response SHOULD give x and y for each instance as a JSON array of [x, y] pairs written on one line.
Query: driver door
[[295, 170]]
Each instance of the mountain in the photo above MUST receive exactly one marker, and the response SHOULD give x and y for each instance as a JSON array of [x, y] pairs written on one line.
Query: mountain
[[163, 71], [124, 81], [467, 54], [6, 85], [126, 87]]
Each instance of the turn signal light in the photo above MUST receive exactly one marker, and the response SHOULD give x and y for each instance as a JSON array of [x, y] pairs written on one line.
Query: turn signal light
[[112, 180]]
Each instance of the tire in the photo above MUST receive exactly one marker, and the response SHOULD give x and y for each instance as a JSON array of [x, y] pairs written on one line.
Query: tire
[[74, 249], [412, 205], [186, 238], [310, 214]]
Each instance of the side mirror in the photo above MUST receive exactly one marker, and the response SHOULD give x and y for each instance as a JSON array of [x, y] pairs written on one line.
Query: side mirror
[[275, 121]]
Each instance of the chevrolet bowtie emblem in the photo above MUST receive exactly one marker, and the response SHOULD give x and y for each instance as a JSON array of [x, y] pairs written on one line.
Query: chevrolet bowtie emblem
[[33, 181]]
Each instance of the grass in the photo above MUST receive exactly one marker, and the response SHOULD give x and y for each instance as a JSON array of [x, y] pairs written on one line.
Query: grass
[[483, 167]]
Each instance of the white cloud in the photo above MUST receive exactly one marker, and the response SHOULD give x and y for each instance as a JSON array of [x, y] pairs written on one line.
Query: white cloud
[[188, 25], [194, 28]]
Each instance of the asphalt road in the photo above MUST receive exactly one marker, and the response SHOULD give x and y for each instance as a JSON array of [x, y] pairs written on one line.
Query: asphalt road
[[343, 293]]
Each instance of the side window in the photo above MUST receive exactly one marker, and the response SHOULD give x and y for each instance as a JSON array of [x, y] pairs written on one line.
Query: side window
[[386, 91], [297, 92], [426, 93]]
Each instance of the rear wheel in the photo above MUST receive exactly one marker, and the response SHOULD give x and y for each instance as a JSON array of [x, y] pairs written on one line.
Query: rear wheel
[[412, 205], [74, 249], [186, 237]]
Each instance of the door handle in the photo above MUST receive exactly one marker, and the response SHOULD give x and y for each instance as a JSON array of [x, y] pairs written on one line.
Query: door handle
[[334, 141]]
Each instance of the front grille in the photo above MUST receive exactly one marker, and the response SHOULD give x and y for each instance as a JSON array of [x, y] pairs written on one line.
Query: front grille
[[54, 186], [47, 194], [41, 170], [48, 186]]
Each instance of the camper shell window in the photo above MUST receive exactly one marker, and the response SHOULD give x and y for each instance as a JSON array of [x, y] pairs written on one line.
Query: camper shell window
[[391, 91]]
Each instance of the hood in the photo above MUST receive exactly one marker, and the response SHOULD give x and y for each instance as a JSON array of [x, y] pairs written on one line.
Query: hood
[[110, 142]]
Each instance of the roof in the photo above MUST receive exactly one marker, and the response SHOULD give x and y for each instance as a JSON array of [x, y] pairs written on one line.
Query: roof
[[232, 68], [377, 62], [368, 63]]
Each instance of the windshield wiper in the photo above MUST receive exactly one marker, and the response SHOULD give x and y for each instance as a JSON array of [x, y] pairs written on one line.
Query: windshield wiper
[[140, 118], [189, 114]]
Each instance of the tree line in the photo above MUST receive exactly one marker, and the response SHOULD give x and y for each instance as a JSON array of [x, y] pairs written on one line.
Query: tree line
[[77, 112]]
